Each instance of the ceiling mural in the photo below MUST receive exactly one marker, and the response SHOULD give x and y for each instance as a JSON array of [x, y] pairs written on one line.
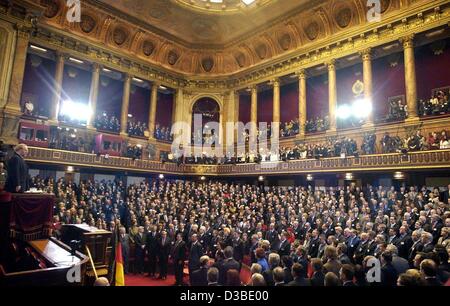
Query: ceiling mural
[[193, 42]]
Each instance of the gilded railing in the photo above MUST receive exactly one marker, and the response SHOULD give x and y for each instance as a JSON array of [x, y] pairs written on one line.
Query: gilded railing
[[413, 160]]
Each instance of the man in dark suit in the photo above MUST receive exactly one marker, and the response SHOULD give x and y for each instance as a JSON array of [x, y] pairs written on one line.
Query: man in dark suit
[[17, 180], [278, 277], [152, 249], [428, 269], [125, 244], [313, 249], [388, 273], [404, 242], [445, 196], [178, 258], [346, 275], [196, 251], [229, 262], [272, 237], [213, 277], [238, 247], [297, 274], [164, 244], [140, 240], [199, 277], [415, 248], [427, 242], [285, 246], [318, 277]]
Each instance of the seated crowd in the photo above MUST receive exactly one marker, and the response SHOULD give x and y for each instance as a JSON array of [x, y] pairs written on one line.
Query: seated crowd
[[436, 105], [317, 125], [136, 128], [108, 123], [293, 236], [397, 111], [162, 133]]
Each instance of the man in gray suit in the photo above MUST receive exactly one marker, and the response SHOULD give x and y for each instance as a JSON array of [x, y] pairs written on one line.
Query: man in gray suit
[[125, 243]]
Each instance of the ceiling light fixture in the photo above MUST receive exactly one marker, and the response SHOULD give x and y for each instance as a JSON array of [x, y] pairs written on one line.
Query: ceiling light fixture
[[38, 48]]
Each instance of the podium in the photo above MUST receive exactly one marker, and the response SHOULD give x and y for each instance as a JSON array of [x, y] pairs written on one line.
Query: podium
[[97, 241]]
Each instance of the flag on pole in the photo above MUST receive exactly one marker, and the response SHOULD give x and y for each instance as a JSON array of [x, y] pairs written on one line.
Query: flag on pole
[[119, 277]]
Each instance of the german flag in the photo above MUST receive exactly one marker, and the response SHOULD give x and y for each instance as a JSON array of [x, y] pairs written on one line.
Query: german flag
[[119, 276]]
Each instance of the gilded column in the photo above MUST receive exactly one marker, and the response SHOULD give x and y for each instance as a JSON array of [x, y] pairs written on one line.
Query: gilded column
[[302, 100], [367, 75], [254, 105], [332, 94], [125, 104], [276, 100], [152, 113], [18, 70], [93, 93], [410, 76]]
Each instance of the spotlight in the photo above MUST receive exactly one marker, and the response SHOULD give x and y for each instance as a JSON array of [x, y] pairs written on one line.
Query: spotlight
[[309, 177], [398, 175], [75, 111], [349, 176], [261, 178], [343, 112], [202, 178], [161, 176], [362, 108], [69, 169]]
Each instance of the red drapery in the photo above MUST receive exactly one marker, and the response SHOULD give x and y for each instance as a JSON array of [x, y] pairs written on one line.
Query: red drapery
[[31, 216]]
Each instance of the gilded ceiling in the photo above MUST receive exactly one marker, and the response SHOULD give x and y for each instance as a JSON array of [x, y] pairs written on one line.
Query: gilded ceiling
[[192, 22], [196, 42]]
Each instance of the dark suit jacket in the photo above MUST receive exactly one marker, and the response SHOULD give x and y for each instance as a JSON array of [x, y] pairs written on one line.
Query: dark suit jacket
[[152, 242], [179, 251], [199, 277], [194, 256], [268, 277], [403, 245], [415, 248], [300, 281], [388, 275], [318, 279], [164, 250], [285, 248], [17, 174]]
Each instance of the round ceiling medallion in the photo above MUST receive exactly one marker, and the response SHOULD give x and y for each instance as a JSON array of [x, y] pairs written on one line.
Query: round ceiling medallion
[[51, 8], [148, 47], [312, 30], [208, 63], [240, 59], [87, 23], [344, 17], [261, 50], [119, 36], [285, 41], [172, 57]]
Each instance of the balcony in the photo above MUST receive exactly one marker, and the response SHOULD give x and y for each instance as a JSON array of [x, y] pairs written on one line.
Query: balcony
[[439, 159]]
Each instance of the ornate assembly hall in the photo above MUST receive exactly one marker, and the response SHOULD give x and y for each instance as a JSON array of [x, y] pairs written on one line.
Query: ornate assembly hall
[[244, 143]]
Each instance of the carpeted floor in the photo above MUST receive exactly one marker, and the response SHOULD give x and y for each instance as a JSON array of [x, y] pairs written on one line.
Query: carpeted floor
[[144, 280]]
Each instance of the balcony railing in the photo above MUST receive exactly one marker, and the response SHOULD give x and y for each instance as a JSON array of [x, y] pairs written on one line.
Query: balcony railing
[[378, 162]]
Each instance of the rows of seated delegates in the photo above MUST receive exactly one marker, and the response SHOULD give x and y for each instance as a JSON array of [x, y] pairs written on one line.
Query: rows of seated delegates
[[286, 236]]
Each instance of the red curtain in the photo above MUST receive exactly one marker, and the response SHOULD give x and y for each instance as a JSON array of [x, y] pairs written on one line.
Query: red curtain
[[317, 96], [164, 109], [265, 106], [345, 78], [432, 70], [244, 108], [110, 96], [140, 103], [388, 75], [289, 102]]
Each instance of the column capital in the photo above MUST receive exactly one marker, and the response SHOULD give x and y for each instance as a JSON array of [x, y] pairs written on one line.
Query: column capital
[[275, 82], [407, 41], [366, 54], [301, 74], [23, 31], [127, 77], [331, 65], [96, 67], [253, 87]]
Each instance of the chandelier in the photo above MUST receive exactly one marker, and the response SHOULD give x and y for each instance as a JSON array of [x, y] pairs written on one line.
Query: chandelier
[[222, 6]]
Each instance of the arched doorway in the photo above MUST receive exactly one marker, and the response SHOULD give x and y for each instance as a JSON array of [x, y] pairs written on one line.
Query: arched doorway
[[206, 110]]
